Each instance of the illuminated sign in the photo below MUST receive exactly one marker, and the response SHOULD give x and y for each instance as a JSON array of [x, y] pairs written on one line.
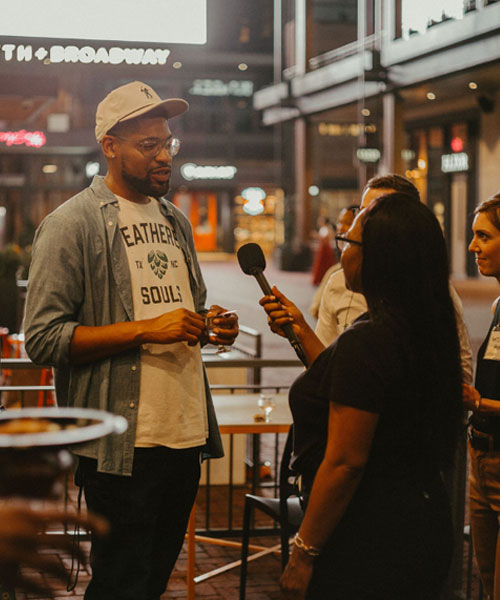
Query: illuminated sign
[[191, 171], [407, 154], [34, 139], [85, 54], [152, 21], [345, 129], [92, 169], [453, 163], [216, 87], [368, 155], [457, 144], [254, 200]]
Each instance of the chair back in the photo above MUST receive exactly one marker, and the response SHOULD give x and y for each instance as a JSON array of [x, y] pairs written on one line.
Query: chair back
[[287, 476]]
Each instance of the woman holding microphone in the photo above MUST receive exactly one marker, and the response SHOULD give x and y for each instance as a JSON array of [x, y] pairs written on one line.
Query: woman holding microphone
[[484, 402], [377, 416]]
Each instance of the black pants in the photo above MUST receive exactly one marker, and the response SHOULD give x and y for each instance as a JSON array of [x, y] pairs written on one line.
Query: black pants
[[148, 515]]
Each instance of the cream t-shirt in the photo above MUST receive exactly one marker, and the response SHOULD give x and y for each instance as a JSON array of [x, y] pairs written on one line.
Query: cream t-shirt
[[172, 403]]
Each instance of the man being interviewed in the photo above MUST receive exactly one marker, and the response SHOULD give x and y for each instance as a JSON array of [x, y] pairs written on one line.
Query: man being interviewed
[[115, 302]]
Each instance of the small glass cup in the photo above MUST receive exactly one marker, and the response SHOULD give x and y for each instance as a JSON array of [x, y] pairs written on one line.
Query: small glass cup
[[210, 325], [267, 404]]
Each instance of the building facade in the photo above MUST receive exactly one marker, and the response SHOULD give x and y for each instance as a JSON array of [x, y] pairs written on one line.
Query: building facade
[[49, 89], [369, 86]]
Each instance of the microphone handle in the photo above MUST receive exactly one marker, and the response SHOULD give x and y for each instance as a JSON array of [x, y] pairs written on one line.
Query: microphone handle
[[263, 282], [287, 328]]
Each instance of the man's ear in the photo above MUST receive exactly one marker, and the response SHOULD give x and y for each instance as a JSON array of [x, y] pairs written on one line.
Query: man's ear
[[109, 146]]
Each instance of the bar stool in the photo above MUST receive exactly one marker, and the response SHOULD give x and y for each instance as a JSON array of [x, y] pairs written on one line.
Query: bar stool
[[46, 397]]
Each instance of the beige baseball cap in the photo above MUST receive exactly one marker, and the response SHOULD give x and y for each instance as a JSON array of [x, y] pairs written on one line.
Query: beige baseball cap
[[133, 100]]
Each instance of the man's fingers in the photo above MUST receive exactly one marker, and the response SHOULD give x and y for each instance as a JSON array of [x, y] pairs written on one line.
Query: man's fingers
[[195, 319]]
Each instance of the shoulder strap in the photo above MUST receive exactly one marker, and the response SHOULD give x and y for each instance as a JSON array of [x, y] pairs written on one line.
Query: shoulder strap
[[497, 312]]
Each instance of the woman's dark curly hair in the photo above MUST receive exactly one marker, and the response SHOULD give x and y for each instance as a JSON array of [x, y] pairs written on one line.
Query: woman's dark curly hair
[[405, 282]]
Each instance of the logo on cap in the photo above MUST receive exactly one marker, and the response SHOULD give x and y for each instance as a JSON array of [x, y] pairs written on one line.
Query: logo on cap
[[147, 92]]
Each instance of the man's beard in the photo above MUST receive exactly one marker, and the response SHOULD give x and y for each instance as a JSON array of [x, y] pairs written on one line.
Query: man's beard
[[145, 186]]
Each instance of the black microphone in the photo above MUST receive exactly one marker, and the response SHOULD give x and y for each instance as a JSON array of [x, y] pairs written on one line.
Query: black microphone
[[253, 262]]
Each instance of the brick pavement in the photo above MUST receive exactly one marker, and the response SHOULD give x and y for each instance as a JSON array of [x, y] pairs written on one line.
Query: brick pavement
[[263, 574]]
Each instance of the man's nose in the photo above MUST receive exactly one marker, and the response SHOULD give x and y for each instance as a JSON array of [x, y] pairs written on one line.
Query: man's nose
[[163, 156]]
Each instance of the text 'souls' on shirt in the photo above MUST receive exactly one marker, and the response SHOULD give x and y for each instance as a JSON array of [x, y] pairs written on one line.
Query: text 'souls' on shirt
[[172, 404]]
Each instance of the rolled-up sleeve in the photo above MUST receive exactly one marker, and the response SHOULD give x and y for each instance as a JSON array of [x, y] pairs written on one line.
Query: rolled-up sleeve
[[55, 291]]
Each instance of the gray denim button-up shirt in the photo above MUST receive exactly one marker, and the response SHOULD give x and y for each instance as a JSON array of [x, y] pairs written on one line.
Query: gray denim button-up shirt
[[79, 275]]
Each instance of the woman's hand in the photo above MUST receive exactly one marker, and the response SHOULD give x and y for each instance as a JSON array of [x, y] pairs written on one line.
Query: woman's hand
[[297, 575], [471, 397], [280, 311]]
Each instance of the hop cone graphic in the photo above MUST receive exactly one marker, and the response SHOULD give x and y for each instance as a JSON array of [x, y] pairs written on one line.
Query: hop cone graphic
[[158, 262]]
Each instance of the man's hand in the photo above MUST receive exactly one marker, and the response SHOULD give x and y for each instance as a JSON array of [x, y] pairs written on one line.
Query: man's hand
[[180, 325], [23, 543], [225, 327], [470, 396]]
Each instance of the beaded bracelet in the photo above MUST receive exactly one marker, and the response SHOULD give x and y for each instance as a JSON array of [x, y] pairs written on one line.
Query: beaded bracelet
[[310, 550]]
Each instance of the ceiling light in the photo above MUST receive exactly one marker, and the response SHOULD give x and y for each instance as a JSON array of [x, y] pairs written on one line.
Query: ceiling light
[[472, 85], [49, 168], [431, 96], [242, 66], [177, 64], [313, 190], [365, 112]]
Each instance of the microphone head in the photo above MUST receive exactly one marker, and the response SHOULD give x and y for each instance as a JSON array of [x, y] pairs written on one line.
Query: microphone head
[[251, 258]]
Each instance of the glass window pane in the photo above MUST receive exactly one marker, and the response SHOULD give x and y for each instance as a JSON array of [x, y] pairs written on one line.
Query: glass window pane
[[418, 17]]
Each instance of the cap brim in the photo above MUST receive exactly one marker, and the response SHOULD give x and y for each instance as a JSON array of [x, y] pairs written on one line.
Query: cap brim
[[167, 108]]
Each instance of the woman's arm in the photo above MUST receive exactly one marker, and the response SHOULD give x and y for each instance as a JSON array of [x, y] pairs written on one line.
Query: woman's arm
[[473, 401], [350, 436], [280, 310]]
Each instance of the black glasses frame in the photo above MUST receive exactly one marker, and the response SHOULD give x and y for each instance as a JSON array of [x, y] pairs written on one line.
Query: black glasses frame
[[341, 241]]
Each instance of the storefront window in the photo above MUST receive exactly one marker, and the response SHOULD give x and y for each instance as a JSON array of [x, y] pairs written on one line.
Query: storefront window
[[334, 24], [441, 162]]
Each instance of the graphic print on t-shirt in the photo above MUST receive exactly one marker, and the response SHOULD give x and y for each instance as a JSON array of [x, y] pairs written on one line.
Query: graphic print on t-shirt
[[172, 407], [153, 249], [158, 261]]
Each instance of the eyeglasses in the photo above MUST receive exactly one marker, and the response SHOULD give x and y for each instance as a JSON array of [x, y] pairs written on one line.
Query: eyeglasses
[[342, 241], [151, 147]]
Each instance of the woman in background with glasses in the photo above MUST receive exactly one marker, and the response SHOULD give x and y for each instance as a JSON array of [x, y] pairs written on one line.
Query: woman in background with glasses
[[484, 401], [377, 416]]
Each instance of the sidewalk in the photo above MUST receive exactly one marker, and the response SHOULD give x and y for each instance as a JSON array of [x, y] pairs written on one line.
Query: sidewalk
[[263, 574], [229, 287]]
